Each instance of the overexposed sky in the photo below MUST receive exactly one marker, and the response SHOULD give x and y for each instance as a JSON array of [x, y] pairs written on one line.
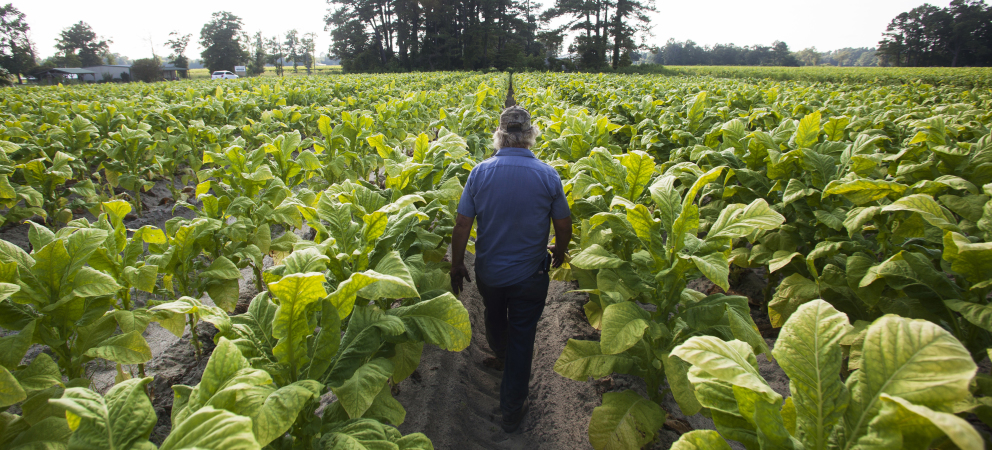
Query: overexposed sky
[[134, 25]]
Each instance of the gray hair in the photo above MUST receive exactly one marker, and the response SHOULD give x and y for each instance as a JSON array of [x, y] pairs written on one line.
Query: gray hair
[[520, 139]]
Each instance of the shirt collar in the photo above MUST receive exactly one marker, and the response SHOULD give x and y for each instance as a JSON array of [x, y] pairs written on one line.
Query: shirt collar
[[515, 151]]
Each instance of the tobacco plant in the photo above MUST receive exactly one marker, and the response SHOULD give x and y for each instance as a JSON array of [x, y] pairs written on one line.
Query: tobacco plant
[[648, 256], [905, 394]]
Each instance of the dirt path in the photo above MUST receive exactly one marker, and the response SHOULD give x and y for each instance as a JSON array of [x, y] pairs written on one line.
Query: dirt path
[[454, 399]]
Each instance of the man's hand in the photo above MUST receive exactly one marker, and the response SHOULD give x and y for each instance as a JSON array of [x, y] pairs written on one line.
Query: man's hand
[[557, 255], [457, 274], [459, 240], [563, 234]]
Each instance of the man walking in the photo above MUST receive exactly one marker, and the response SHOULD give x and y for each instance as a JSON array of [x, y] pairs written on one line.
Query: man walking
[[514, 196]]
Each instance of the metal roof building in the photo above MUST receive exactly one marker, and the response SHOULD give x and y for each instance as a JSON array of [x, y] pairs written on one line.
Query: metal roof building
[[110, 72], [69, 74]]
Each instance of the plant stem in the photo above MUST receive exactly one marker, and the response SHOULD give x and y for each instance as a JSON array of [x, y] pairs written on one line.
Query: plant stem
[[193, 337]]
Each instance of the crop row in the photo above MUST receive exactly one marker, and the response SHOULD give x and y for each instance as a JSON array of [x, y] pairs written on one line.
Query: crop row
[[866, 208]]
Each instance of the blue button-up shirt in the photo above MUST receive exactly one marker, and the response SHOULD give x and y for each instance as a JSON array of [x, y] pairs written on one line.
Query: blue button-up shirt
[[513, 196]]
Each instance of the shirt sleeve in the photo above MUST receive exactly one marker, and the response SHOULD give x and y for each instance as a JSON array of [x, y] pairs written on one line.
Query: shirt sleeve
[[466, 205], [559, 205]]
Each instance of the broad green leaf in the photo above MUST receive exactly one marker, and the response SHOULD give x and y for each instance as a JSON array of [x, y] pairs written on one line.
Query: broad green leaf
[[832, 219], [583, 359], [595, 257], [401, 203], [386, 409], [49, 433], [624, 325], [792, 292], [808, 132], [974, 261], [41, 374], [221, 269], [858, 217], [224, 363], [395, 280], [296, 294], [863, 191], [211, 428], [11, 391], [715, 267], [744, 329], [702, 181], [8, 289], [808, 351], [121, 420], [722, 400], [645, 226], [927, 207], [677, 372], [903, 425], [667, 200], [730, 362], [915, 360], [640, 167], [15, 346], [442, 321], [89, 282], [278, 413], [835, 126], [624, 421], [343, 298], [357, 393], [127, 348], [701, 440], [697, 111], [978, 314], [406, 359]]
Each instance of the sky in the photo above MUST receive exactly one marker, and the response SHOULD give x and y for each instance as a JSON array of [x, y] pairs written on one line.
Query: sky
[[136, 26]]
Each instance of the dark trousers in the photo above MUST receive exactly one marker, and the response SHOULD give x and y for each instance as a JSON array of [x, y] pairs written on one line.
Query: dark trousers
[[512, 313]]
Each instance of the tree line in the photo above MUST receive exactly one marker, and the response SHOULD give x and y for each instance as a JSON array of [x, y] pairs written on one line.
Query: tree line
[[590, 35], [957, 35], [689, 53], [224, 41], [398, 35]]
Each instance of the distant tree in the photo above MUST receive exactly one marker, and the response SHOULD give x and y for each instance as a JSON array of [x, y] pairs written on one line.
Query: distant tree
[[309, 48], [148, 70], [867, 59], [16, 51], [275, 53], [782, 56], [116, 58], [293, 52], [221, 39], [629, 18], [809, 57], [178, 44], [256, 66], [80, 45]]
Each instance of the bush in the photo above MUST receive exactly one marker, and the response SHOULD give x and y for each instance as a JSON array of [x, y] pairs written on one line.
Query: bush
[[147, 70], [6, 79]]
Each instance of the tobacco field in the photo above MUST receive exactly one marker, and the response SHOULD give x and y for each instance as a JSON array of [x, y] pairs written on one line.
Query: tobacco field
[[291, 237]]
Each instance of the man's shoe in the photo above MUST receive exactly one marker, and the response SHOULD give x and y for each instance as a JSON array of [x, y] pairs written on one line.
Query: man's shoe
[[510, 424], [493, 362]]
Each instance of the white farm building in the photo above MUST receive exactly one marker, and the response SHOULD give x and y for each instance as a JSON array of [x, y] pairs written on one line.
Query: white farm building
[[114, 72]]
